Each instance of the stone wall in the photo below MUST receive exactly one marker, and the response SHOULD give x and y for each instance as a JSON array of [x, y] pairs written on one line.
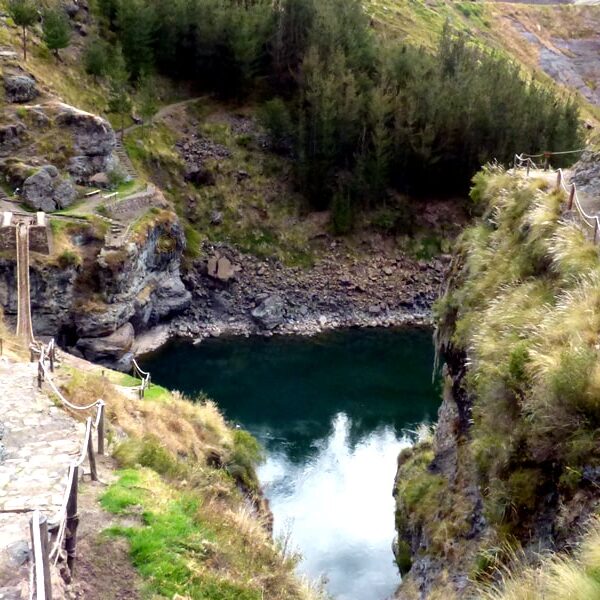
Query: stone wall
[[123, 208], [39, 239], [7, 238]]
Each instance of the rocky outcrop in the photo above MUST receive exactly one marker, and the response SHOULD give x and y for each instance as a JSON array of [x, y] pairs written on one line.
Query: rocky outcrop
[[140, 286], [46, 191], [586, 173], [11, 136], [94, 141], [97, 308], [106, 349], [20, 88]]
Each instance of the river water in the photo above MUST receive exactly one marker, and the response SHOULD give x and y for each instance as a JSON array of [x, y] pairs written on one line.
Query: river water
[[332, 412]]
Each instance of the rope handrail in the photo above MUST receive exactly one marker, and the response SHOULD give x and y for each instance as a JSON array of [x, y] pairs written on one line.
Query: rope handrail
[[592, 221], [144, 376], [64, 515]]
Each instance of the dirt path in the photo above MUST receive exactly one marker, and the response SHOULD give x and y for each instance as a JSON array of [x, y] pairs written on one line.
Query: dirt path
[[162, 113], [103, 570]]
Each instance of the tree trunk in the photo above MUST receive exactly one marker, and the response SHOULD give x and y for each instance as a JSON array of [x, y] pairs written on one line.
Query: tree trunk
[[24, 43]]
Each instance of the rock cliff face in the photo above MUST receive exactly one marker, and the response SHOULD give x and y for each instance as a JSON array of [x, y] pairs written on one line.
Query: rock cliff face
[[96, 309]]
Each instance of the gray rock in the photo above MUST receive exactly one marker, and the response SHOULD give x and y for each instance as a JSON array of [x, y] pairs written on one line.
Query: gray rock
[[20, 88], [586, 173], [170, 298], [109, 349], [2, 430], [46, 191], [11, 136], [94, 141], [18, 553], [2, 453], [270, 312], [100, 180]]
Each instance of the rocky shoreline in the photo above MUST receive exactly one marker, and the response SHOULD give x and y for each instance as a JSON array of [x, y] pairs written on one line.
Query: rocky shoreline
[[234, 294]]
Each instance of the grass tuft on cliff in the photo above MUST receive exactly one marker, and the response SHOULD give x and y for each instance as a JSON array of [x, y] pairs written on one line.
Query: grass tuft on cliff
[[557, 577]]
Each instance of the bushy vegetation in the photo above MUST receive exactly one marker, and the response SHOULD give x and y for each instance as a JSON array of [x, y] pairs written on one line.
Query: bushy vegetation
[[361, 114], [524, 309]]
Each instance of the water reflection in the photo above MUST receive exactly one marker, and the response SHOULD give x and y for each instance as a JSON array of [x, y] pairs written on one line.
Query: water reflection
[[338, 508], [330, 411]]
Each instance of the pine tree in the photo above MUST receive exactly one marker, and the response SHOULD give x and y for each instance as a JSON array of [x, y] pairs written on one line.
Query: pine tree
[[136, 26], [96, 58], [148, 101], [56, 30], [25, 14], [119, 101]]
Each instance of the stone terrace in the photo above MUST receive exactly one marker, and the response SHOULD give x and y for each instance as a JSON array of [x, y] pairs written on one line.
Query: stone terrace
[[40, 441]]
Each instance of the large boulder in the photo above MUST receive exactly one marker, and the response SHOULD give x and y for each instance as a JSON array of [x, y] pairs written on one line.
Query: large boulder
[[110, 349], [270, 312], [170, 298], [45, 190], [94, 141], [586, 173], [221, 268], [20, 88]]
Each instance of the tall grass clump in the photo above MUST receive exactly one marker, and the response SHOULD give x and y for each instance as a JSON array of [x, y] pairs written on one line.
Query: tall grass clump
[[524, 307], [556, 577]]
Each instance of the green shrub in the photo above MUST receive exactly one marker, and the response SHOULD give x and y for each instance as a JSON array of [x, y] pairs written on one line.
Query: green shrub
[[275, 118], [68, 258], [246, 454], [522, 487], [342, 214], [403, 557], [147, 452]]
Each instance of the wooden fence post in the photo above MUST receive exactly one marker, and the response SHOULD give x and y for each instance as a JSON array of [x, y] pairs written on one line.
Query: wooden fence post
[[571, 197], [101, 431], [40, 376], [72, 522], [51, 357], [558, 179], [92, 458], [1, 346], [38, 527], [595, 230]]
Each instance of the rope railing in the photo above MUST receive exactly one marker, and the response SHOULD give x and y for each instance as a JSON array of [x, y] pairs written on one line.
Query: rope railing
[[144, 376], [592, 221], [66, 519]]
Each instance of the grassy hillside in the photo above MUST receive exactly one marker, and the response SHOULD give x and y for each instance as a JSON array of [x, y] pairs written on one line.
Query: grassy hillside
[[518, 31], [186, 495]]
